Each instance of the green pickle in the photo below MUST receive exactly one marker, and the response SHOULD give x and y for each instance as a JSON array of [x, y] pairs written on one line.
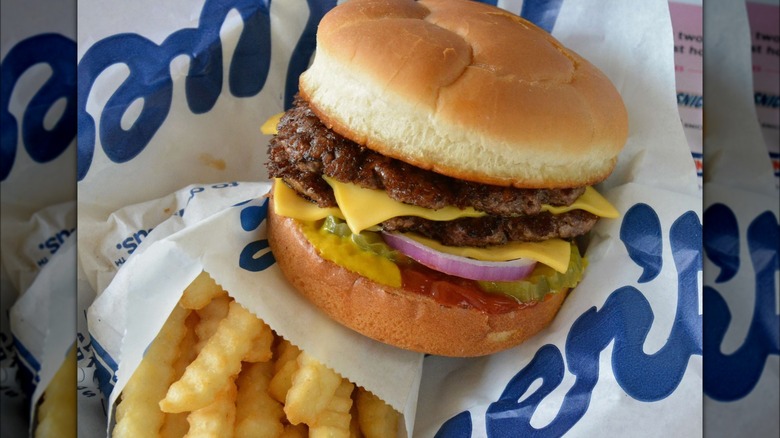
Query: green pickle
[[535, 287], [543, 280], [367, 240], [339, 247]]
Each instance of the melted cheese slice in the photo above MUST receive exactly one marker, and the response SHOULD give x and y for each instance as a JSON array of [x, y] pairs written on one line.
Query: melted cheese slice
[[590, 201], [368, 209], [287, 203], [554, 253], [364, 208], [269, 127]]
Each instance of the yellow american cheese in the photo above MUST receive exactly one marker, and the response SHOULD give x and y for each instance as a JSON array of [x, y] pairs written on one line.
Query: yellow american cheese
[[364, 208], [287, 203], [590, 201], [554, 253], [269, 127]]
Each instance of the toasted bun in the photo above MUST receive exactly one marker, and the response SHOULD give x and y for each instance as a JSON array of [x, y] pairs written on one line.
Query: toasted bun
[[392, 315], [466, 90]]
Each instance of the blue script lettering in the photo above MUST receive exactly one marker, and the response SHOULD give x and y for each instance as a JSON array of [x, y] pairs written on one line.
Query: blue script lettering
[[733, 376], [54, 242], [150, 78], [458, 426], [625, 319], [43, 145], [304, 49], [251, 219]]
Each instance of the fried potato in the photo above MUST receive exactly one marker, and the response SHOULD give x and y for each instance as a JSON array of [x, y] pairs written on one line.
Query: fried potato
[[218, 362], [295, 431], [200, 292], [377, 419], [354, 424], [285, 352], [313, 385], [334, 420], [57, 412], [257, 414], [285, 366], [176, 425], [261, 346], [216, 419], [138, 414], [216, 370], [210, 317]]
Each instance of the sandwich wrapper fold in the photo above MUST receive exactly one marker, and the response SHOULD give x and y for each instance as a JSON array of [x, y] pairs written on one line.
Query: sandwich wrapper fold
[[38, 198], [631, 259], [151, 285]]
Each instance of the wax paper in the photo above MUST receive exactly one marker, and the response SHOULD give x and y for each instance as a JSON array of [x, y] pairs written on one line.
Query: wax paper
[[38, 200], [625, 349]]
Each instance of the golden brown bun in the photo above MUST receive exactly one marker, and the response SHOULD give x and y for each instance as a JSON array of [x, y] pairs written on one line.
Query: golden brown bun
[[467, 90], [393, 316]]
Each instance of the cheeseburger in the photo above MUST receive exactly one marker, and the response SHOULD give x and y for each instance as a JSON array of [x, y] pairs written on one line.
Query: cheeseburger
[[434, 172]]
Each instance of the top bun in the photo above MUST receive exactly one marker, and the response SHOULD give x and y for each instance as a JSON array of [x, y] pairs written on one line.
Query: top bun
[[467, 90]]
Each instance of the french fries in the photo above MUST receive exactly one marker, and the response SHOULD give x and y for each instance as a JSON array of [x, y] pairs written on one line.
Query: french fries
[[176, 425], [57, 412], [333, 421], [218, 361], [284, 368], [257, 413], [216, 370], [313, 386], [377, 419], [136, 414], [218, 417], [200, 292]]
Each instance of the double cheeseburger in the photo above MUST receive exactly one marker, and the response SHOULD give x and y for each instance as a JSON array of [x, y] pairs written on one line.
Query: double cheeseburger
[[434, 171]]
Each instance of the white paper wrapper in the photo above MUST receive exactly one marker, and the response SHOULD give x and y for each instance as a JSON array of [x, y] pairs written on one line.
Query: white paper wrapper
[[636, 277], [151, 284], [37, 194], [742, 327], [43, 332]]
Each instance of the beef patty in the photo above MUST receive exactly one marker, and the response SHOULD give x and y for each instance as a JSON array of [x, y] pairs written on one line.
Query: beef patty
[[305, 149]]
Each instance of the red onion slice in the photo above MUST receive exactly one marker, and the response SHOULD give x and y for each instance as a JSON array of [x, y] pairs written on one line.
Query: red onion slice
[[464, 267]]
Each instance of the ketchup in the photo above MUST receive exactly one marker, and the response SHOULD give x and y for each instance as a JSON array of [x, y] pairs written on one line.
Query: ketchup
[[454, 291]]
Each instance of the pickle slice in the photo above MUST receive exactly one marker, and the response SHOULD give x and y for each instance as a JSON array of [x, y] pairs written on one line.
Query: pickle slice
[[367, 240], [543, 280], [342, 252]]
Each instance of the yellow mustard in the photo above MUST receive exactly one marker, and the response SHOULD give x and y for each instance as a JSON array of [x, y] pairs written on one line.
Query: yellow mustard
[[343, 252]]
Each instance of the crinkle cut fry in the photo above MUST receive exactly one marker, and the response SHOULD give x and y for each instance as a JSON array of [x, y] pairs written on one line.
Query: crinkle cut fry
[[200, 292], [334, 421], [138, 413], [57, 412], [377, 419], [218, 417], [218, 362], [258, 415], [175, 425]]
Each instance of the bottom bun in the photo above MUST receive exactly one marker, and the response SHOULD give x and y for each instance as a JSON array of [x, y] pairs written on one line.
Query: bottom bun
[[393, 315]]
